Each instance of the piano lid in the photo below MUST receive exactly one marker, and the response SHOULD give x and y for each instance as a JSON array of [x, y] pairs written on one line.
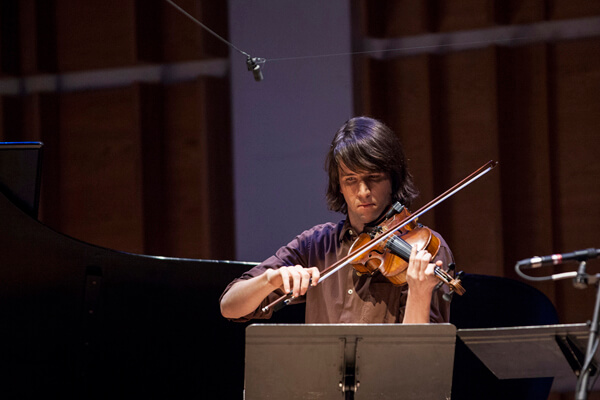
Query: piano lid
[[87, 321]]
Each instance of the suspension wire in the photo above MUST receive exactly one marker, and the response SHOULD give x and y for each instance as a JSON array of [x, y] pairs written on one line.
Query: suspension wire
[[409, 49], [207, 28], [316, 56], [254, 61]]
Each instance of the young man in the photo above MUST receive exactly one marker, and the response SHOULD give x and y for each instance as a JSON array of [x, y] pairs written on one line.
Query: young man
[[367, 173]]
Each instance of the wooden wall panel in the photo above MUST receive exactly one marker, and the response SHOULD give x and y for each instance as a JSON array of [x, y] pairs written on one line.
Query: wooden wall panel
[[199, 204], [3, 119], [43, 112], [150, 117], [100, 168], [143, 169], [11, 127], [535, 108], [37, 36], [524, 145], [403, 101], [27, 35], [464, 118], [186, 217], [218, 167], [105, 176], [446, 115], [9, 37], [519, 11], [388, 18], [46, 36], [575, 84], [183, 40], [391, 18], [462, 15], [565, 9], [95, 34]]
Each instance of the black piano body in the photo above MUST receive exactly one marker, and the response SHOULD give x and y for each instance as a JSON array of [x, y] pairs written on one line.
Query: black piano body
[[78, 320]]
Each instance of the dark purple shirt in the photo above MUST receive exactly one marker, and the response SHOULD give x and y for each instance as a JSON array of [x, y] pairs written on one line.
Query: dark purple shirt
[[346, 296]]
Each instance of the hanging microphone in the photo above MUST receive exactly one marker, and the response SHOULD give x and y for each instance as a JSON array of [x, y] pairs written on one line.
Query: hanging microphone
[[252, 64], [554, 259]]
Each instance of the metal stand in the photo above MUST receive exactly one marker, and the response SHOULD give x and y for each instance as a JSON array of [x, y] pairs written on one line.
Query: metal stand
[[532, 352], [586, 371], [580, 281], [349, 361]]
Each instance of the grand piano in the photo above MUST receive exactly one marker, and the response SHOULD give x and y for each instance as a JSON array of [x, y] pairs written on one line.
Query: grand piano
[[78, 320]]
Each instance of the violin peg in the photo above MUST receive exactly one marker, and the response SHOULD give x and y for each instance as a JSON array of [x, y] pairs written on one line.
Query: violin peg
[[448, 296]]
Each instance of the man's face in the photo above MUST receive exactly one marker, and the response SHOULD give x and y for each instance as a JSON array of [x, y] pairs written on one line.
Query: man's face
[[367, 194]]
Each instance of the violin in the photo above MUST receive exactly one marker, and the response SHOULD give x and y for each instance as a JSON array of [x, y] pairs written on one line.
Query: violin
[[390, 257], [388, 237]]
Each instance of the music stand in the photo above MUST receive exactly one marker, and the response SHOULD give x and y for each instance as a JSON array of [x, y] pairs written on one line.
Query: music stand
[[20, 173], [531, 352], [357, 361]]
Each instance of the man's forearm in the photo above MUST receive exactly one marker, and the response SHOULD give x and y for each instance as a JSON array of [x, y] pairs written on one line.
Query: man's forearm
[[245, 296]]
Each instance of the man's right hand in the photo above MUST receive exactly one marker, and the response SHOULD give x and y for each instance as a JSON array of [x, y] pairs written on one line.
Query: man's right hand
[[246, 295], [294, 279]]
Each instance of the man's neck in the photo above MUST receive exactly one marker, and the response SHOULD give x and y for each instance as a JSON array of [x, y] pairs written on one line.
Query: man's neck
[[359, 228]]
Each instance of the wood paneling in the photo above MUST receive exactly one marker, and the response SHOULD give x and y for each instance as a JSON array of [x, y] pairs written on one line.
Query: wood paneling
[[575, 117], [409, 17], [143, 168], [524, 145], [519, 11], [9, 37], [465, 137], [462, 15], [535, 109], [183, 40], [565, 9], [94, 34], [101, 168], [199, 204]]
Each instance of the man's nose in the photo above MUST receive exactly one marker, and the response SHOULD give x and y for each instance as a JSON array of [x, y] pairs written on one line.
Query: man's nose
[[363, 189]]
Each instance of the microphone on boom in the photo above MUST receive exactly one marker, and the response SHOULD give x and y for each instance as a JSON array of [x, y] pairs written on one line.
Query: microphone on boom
[[554, 259]]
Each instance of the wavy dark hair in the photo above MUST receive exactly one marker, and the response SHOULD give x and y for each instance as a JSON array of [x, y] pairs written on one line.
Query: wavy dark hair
[[366, 144]]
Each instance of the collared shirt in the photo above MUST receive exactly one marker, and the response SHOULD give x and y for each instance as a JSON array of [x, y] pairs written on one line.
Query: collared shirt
[[346, 296]]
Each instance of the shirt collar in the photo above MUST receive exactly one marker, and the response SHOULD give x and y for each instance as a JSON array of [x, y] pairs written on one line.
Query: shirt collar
[[347, 232]]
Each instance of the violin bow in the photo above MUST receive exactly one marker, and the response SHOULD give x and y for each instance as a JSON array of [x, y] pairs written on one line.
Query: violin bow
[[341, 263]]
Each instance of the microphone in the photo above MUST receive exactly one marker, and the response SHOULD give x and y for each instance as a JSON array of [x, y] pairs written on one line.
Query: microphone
[[252, 64], [554, 259]]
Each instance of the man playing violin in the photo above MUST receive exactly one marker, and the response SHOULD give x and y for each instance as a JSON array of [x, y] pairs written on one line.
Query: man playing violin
[[367, 173]]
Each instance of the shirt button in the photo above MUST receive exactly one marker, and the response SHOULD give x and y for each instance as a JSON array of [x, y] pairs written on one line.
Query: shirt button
[[350, 291]]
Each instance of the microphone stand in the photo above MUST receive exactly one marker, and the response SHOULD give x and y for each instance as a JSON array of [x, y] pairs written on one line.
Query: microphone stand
[[580, 282]]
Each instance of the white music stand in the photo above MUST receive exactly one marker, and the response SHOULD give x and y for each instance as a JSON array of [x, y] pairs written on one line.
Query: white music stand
[[356, 361], [532, 352]]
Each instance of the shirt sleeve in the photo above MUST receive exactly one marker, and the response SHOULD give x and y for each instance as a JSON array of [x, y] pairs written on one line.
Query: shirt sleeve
[[294, 253]]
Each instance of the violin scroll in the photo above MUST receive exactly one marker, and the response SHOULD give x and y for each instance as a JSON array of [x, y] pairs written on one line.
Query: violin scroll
[[454, 283]]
